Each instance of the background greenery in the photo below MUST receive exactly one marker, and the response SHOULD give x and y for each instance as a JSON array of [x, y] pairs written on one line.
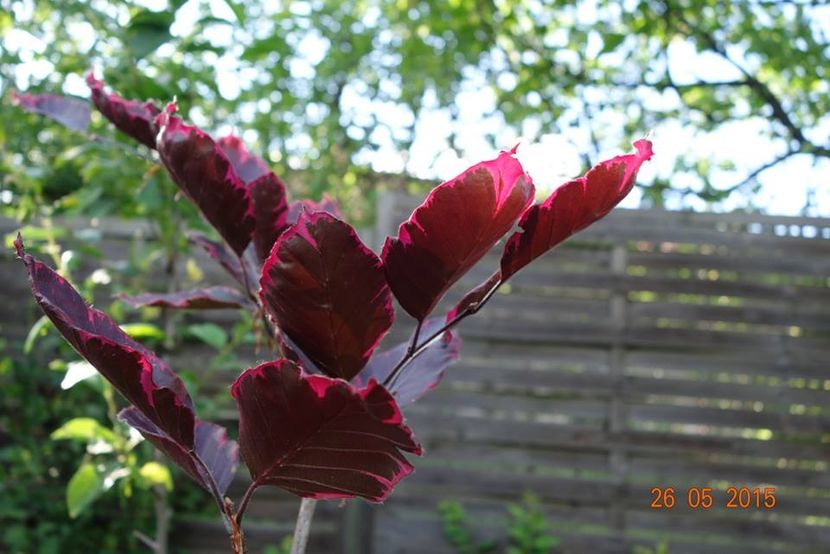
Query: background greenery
[[322, 88]]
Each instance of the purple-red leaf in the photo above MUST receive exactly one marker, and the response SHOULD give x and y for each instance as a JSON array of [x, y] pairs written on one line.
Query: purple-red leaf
[[197, 299], [221, 253], [472, 300], [270, 212], [247, 166], [161, 408], [455, 227], [420, 375], [267, 193], [134, 118], [143, 379], [572, 207], [219, 454], [318, 437], [204, 174], [69, 112], [327, 204], [327, 292]]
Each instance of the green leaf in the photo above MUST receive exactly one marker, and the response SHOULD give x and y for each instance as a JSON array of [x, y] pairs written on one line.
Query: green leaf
[[77, 372], [83, 429], [610, 41], [148, 30], [143, 331], [209, 333], [85, 486], [238, 10], [155, 473], [37, 330]]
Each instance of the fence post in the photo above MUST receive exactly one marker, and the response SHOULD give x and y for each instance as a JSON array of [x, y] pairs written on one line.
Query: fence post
[[357, 528]]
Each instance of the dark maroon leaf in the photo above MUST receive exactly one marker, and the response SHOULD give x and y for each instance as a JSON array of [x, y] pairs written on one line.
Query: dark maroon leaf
[[270, 212], [420, 375], [472, 299], [327, 292], [267, 193], [134, 118], [143, 379], [572, 207], [204, 174], [318, 437], [198, 299], [247, 166], [221, 253], [219, 454], [69, 112], [291, 351], [455, 227], [327, 204]]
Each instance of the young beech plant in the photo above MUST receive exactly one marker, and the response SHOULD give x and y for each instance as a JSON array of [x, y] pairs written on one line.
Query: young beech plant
[[323, 421]]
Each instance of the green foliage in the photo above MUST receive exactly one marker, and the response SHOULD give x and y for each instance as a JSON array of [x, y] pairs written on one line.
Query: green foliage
[[209, 333], [456, 530], [300, 66], [84, 487], [527, 529], [84, 429], [283, 548], [35, 470], [659, 548]]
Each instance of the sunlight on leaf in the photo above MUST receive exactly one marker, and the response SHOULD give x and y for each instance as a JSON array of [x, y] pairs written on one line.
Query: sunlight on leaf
[[85, 486], [77, 372], [83, 429], [156, 474], [209, 333]]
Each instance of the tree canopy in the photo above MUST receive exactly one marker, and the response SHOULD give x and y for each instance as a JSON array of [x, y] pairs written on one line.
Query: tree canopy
[[327, 90]]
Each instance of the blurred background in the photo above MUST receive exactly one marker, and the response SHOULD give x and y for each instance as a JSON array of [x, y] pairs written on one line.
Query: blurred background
[[698, 334]]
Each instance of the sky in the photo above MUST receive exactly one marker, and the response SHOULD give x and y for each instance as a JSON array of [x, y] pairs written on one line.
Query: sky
[[550, 159]]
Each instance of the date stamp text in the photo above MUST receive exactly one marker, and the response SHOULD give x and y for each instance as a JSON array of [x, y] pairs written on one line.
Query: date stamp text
[[705, 498]]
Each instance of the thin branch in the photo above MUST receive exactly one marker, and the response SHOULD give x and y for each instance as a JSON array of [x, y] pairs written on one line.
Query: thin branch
[[414, 341], [412, 354], [243, 504], [145, 540], [760, 169], [669, 83], [162, 519], [760, 88]]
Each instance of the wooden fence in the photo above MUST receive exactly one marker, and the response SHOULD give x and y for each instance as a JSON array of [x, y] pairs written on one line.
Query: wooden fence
[[657, 349]]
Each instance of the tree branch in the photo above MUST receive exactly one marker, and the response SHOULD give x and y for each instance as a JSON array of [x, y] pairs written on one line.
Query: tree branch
[[760, 88]]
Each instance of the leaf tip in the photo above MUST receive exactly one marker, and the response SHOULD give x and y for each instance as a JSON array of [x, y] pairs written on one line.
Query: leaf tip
[[163, 118], [92, 82], [18, 246], [644, 149]]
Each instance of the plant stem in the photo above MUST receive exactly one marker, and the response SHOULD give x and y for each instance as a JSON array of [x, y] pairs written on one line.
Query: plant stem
[[413, 352], [162, 519], [240, 512], [237, 537], [303, 527]]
